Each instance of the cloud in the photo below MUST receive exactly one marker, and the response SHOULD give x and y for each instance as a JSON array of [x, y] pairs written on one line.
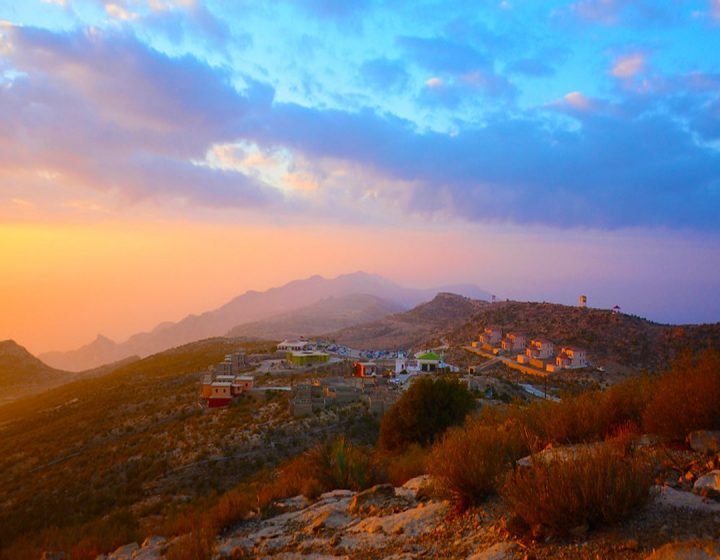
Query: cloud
[[133, 131], [440, 55], [628, 66], [434, 82], [577, 100], [145, 129], [614, 12], [715, 8]]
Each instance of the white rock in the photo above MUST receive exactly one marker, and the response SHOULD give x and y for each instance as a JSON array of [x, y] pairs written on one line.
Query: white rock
[[499, 551], [708, 482], [124, 552], [411, 522], [678, 499], [693, 550], [704, 440]]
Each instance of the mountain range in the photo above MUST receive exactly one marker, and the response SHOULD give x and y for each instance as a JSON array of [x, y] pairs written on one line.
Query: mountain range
[[257, 308]]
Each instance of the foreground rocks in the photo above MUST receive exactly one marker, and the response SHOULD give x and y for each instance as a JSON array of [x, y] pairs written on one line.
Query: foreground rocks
[[681, 521]]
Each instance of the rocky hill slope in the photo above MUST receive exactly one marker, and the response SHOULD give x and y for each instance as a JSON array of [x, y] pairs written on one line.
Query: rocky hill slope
[[411, 522], [631, 341], [329, 314], [401, 331], [22, 373], [135, 444]]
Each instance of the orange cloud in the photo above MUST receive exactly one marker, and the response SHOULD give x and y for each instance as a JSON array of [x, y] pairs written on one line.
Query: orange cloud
[[628, 66], [577, 100]]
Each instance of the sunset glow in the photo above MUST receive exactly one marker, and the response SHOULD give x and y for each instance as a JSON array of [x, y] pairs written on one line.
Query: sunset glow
[[158, 158]]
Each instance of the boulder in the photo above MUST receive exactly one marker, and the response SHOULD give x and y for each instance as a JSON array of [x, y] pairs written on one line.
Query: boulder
[[708, 485], [124, 552], [377, 496], [691, 550], [704, 441]]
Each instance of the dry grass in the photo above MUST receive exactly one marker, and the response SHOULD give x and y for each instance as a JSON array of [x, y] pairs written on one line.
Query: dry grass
[[594, 485], [469, 462], [687, 398]]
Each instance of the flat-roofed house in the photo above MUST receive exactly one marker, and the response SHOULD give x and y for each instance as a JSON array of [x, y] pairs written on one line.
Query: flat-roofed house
[[293, 345], [366, 369]]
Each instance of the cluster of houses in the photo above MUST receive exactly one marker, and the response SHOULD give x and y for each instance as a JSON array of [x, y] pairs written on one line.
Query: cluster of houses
[[422, 362], [223, 383], [302, 353], [536, 352]]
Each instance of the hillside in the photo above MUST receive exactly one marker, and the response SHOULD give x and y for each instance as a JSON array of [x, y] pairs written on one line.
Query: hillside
[[134, 445], [250, 307], [329, 314], [408, 329], [630, 341], [22, 373]]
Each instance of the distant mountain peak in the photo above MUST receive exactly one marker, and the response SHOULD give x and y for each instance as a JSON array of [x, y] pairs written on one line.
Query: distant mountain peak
[[11, 348]]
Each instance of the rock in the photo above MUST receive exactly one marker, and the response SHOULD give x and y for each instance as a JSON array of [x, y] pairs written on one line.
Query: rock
[[47, 555], [693, 550], [704, 441], [318, 523], [499, 551], [552, 454], [124, 552], [374, 496], [686, 500], [154, 541], [708, 484], [413, 522]]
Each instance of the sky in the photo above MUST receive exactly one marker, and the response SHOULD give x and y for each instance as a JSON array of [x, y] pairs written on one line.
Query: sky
[[159, 157]]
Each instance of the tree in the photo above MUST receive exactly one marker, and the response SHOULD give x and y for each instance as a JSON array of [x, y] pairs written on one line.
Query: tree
[[425, 411]]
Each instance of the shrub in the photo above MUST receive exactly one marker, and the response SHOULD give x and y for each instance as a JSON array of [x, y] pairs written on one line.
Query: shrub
[[331, 465], [687, 398], [425, 411], [402, 466], [469, 462], [596, 484]]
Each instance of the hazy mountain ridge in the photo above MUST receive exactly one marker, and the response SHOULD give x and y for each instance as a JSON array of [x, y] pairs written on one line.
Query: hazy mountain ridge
[[22, 373], [329, 314], [408, 329], [250, 307]]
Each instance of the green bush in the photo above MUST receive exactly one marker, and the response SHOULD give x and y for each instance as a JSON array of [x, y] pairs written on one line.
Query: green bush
[[469, 462], [593, 485], [428, 408]]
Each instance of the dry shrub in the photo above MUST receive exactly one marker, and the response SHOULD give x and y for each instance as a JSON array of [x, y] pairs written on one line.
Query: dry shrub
[[331, 465], [588, 417], [468, 462], [601, 483], [687, 398], [401, 467]]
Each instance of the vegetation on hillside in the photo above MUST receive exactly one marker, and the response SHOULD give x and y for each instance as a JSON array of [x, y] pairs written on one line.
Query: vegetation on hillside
[[610, 338], [428, 408]]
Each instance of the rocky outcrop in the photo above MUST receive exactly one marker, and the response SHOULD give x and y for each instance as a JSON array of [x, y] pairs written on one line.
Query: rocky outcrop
[[694, 550], [704, 441]]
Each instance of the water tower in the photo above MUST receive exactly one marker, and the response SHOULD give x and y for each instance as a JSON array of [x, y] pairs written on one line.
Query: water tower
[[582, 301]]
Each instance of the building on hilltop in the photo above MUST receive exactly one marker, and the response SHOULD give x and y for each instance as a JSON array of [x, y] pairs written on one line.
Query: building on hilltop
[[306, 358], [491, 336], [429, 361], [293, 345], [514, 342], [571, 357], [366, 369], [221, 390], [540, 349]]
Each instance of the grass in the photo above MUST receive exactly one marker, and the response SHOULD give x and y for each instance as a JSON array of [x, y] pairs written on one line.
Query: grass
[[593, 485], [469, 462], [687, 398]]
